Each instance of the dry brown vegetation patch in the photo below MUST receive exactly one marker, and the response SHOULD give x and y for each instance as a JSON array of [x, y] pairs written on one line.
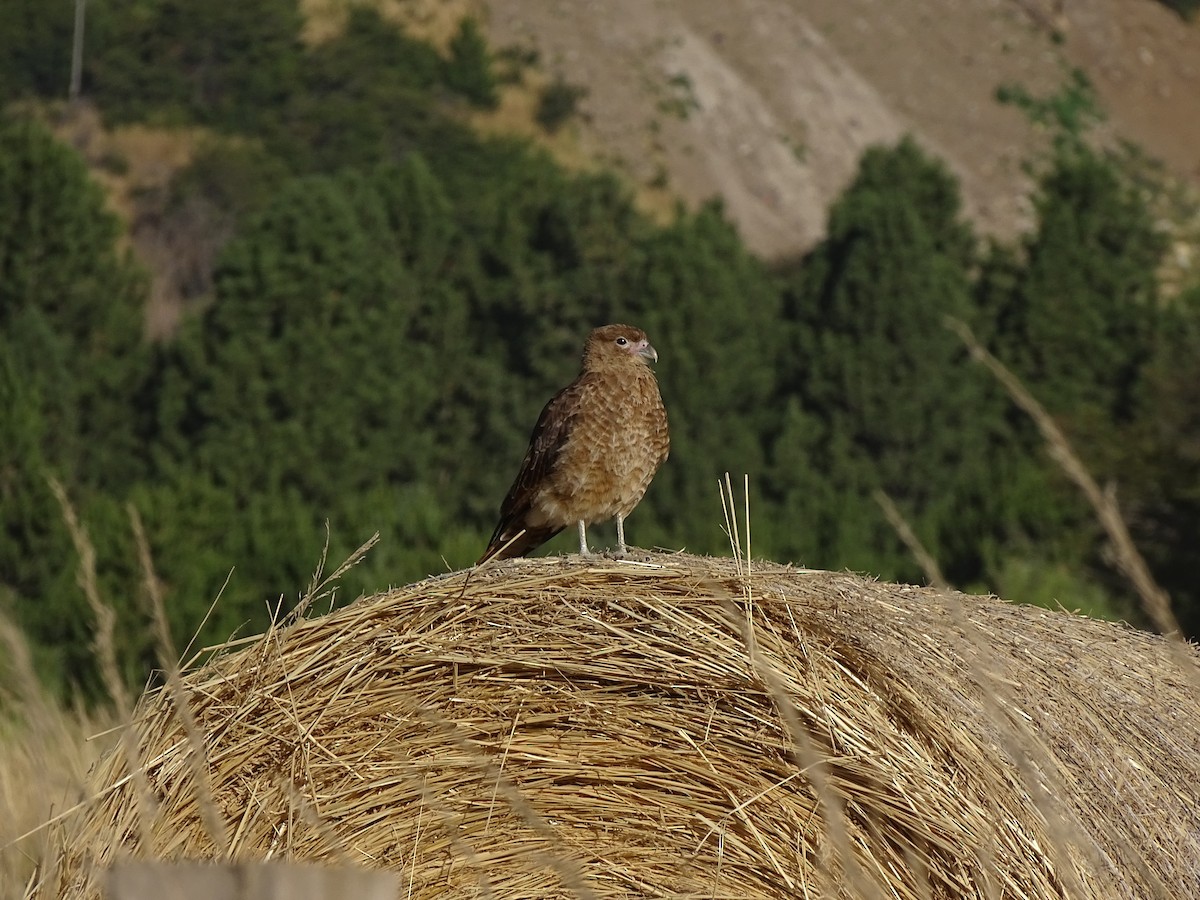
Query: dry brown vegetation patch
[[435, 21], [585, 728]]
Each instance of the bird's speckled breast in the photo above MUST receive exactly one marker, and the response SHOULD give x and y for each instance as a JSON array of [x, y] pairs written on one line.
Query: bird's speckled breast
[[617, 445]]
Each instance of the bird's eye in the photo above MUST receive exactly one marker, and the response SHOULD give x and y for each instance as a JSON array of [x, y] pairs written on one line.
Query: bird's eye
[[621, 342]]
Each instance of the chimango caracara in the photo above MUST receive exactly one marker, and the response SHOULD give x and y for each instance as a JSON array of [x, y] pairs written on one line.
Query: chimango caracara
[[594, 450]]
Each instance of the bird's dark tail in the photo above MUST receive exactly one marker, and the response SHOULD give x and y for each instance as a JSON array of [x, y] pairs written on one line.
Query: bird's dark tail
[[507, 543]]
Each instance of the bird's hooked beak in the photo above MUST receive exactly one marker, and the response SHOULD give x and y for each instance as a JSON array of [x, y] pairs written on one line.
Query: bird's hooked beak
[[647, 352]]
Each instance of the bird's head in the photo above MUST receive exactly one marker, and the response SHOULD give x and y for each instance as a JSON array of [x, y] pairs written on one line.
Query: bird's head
[[617, 345]]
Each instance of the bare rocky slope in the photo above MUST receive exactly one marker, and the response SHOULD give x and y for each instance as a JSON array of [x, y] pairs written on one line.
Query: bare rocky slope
[[769, 103]]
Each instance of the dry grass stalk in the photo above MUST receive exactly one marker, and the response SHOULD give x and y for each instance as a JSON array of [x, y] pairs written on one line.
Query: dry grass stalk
[[566, 728], [933, 572], [839, 864], [321, 585], [45, 755], [104, 644], [197, 757], [1155, 600], [106, 655]]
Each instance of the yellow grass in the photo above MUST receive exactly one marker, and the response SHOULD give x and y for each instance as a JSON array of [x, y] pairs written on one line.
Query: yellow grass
[[130, 159], [516, 116], [435, 21], [46, 751]]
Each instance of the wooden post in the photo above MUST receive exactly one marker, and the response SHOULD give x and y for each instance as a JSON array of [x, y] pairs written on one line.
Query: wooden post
[[143, 880], [77, 54]]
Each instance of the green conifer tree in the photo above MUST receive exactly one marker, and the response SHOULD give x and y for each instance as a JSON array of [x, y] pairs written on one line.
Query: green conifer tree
[[321, 375], [1081, 320], [222, 64], [35, 49], [713, 311], [896, 407], [469, 68], [71, 371], [70, 305]]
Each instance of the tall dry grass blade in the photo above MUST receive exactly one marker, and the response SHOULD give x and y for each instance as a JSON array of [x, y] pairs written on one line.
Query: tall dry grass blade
[[749, 582], [891, 512], [105, 643], [746, 497], [321, 587], [1130, 562], [198, 757], [730, 512], [567, 869], [19, 683], [1029, 752], [808, 760], [106, 655], [318, 569], [185, 661], [450, 827], [741, 556], [333, 844], [42, 761]]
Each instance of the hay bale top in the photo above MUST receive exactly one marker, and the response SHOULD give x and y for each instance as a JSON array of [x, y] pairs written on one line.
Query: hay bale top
[[569, 727]]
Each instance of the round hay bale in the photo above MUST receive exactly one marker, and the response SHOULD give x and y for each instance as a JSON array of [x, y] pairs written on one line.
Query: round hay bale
[[583, 728]]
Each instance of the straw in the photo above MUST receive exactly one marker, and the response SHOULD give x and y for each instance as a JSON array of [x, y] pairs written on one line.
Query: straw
[[579, 727]]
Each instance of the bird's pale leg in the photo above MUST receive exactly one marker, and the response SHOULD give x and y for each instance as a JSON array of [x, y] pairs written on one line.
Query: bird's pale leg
[[621, 548], [583, 547]]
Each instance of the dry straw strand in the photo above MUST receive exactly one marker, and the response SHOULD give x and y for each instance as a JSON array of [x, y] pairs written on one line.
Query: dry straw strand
[[1129, 561], [214, 822], [106, 654], [925, 559], [104, 644]]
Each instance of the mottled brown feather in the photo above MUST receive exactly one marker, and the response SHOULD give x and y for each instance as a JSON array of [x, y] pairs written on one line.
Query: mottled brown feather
[[594, 450]]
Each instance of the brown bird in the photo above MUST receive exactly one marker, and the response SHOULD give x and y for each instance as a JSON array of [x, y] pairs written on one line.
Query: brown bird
[[594, 450]]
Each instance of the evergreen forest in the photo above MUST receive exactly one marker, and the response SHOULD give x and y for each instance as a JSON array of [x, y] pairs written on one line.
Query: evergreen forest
[[390, 298]]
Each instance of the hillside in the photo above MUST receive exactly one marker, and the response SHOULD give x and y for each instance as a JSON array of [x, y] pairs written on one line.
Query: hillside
[[770, 103]]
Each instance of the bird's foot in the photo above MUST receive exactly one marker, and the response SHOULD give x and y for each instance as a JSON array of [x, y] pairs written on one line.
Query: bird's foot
[[632, 555]]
